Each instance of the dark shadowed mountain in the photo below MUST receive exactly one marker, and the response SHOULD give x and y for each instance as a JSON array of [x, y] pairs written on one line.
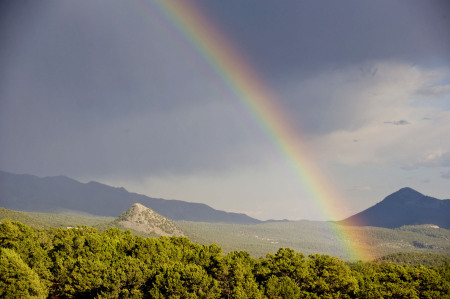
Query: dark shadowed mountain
[[404, 207], [52, 194]]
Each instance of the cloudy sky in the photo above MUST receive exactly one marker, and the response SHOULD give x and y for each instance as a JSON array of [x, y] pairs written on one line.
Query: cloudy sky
[[114, 91]]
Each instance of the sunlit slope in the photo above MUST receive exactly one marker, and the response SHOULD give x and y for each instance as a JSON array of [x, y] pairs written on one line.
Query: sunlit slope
[[45, 220], [307, 237], [145, 220], [23, 218], [311, 237]]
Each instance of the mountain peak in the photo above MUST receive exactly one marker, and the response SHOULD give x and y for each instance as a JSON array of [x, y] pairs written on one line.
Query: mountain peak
[[138, 206], [406, 196], [404, 207], [140, 218], [408, 191]]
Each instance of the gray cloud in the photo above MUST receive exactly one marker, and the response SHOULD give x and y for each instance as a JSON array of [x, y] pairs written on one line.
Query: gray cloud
[[434, 160], [93, 90], [446, 175], [351, 97], [444, 160], [435, 91], [401, 122], [336, 34]]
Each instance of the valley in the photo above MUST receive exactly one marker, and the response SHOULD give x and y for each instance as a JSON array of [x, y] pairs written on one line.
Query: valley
[[307, 237], [404, 221]]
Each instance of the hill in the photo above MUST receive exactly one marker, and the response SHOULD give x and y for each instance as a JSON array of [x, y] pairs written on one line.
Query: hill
[[404, 207], [143, 219], [416, 259], [46, 220], [308, 237], [52, 194], [22, 217]]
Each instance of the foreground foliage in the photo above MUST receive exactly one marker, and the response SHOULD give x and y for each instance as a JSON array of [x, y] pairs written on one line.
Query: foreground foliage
[[308, 237], [84, 263]]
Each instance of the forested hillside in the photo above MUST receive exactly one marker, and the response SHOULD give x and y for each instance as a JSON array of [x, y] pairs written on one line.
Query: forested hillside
[[308, 237], [312, 237], [84, 263]]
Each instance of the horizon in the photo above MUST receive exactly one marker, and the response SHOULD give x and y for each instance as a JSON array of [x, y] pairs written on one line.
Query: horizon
[[262, 220]]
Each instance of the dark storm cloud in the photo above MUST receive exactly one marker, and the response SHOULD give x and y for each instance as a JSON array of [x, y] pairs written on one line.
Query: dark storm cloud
[[88, 57], [306, 36], [293, 42], [111, 90], [93, 88]]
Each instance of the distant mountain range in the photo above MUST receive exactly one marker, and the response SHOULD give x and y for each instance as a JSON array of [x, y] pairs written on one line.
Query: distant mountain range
[[404, 207], [25, 192], [54, 194]]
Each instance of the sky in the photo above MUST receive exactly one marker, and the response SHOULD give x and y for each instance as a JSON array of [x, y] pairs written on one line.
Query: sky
[[116, 92]]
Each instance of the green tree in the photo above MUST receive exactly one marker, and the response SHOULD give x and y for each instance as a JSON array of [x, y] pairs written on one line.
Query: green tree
[[285, 263], [238, 280], [31, 245], [83, 263], [17, 279], [78, 261], [329, 277], [183, 281], [384, 280], [283, 287]]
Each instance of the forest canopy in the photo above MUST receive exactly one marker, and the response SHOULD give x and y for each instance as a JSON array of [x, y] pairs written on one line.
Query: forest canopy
[[84, 263]]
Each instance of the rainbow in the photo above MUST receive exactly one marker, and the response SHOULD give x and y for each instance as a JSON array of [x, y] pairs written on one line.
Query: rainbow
[[261, 104]]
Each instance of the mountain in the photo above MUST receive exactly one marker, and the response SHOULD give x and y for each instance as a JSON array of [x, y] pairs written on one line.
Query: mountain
[[143, 219], [404, 207], [25, 192]]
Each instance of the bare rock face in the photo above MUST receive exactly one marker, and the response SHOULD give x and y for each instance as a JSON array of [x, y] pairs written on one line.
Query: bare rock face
[[143, 219]]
